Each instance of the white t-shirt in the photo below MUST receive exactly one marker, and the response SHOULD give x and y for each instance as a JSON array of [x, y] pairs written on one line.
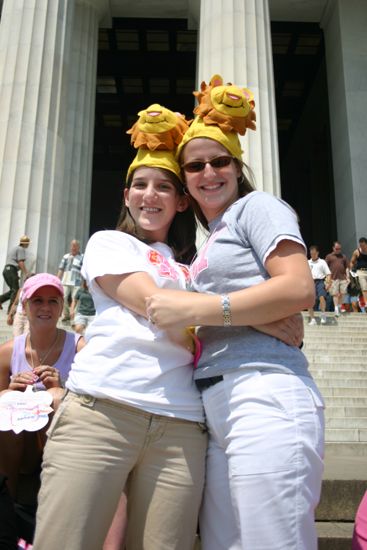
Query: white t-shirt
[[127, 359], [319, 268]]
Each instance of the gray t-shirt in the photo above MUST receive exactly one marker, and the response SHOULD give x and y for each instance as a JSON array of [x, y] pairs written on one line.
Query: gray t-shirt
[[15, 255], [232, 259]]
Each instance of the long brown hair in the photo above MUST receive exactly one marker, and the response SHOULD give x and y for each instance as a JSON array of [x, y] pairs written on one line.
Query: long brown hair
[[182, 232]]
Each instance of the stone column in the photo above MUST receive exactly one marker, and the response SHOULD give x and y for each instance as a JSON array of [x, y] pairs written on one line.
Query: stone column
[[47, 88], [344, 23], [79, 131], [235, 42]]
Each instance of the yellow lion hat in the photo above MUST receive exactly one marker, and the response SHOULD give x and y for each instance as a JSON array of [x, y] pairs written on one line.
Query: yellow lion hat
[[223, 112], [156, 134]]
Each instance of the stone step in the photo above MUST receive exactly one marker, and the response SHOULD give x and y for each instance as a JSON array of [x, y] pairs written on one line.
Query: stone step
[[333, 348], [339, 350], [334, 535], [343, 486], [344, 319], [350, 449], [340, 499], [328, 338], [341, 320], [330, 333], [334, 411], [346, 401], [354, 386], [343, 352], [342, 391], [332, 321], [345, 435], [345, 316], [338, 372], [362, 369], [333, 332], [325, 359], [352, 422]]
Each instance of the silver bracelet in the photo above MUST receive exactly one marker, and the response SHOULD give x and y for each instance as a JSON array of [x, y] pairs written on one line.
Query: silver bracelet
[[226, 307]]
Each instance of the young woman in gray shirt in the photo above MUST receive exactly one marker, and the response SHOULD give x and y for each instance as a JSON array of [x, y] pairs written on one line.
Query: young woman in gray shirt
[[263, 409]]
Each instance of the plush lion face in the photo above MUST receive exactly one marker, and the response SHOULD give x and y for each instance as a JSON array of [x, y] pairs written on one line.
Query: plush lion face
[[227, 105], [156, 119], [231, 100], [158, 128]]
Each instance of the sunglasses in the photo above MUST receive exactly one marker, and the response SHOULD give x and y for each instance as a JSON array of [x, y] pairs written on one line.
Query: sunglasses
[[198, 165]]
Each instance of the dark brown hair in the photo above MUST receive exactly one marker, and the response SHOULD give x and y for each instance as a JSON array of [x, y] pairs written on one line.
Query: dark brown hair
[[182, 233]]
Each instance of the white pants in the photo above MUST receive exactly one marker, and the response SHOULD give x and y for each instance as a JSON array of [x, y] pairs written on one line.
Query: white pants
[[264, 463]]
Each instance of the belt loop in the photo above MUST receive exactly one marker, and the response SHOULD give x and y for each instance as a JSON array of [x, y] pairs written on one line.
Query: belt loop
[[87, 401]]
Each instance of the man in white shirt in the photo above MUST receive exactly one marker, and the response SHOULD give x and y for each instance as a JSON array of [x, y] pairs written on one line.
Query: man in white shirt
[[322, 278]]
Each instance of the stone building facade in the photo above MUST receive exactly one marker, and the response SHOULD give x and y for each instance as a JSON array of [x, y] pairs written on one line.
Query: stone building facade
[[48, 77]]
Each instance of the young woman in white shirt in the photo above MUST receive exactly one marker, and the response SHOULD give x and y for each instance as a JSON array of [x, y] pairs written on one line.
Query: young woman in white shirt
[[132, 416]]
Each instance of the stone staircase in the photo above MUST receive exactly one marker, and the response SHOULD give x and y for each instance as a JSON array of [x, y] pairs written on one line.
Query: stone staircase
[[337, 354]]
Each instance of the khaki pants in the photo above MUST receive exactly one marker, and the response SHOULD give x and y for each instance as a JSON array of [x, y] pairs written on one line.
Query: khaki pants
[[95, 447]]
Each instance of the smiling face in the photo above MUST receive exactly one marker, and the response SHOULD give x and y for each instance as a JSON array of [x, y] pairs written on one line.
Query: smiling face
[[45, 306], [153, 201], [213, 188]]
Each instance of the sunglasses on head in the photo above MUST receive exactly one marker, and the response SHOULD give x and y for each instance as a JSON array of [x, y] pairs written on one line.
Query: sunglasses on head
[[199, 165]]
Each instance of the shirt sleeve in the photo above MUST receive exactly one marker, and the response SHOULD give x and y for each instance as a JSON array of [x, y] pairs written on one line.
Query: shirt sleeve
[[21, 254], [326, 268], [112, 253], [263, 221], [62, 263]]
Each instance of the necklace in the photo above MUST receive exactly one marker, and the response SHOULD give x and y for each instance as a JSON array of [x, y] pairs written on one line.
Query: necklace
[[44, 357]]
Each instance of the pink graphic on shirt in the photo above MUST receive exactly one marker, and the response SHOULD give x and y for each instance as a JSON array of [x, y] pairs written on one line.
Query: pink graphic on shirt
[[185, 270], [162, 264], [201, 263]]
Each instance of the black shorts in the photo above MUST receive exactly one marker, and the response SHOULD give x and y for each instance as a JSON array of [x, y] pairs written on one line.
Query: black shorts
[[320, 288]]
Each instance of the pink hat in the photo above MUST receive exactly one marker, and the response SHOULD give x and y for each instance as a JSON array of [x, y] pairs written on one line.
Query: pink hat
[[40, 280]]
